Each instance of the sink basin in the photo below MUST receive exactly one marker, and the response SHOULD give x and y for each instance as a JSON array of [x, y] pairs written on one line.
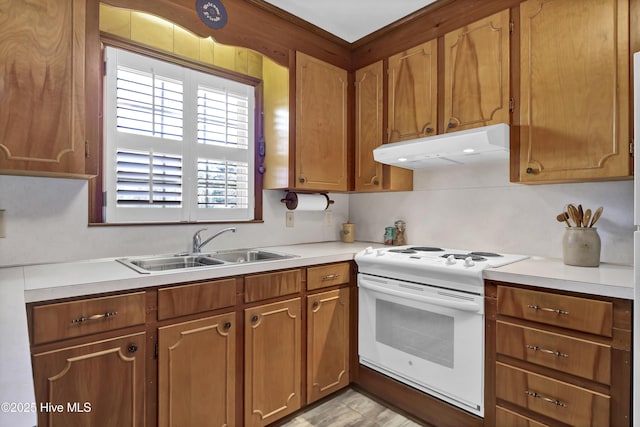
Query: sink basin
[[146, 265], [162, 263], [248, 255]]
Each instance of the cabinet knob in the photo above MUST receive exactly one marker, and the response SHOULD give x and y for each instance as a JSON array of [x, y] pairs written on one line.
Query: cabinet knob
[[302, 180], [530, 171], [254, 319], [451, 125], [428, 130], [227, 326], [315, 304], [132, 348]]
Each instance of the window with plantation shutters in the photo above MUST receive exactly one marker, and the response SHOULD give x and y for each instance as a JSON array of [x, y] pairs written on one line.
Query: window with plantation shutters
[[179, 143]]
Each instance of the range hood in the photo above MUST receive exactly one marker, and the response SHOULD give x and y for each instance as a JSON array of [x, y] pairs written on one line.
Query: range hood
[[462, 147]]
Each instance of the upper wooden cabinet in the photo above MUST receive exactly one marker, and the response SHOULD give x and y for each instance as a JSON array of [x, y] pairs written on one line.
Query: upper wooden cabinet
[[42, 95], [321, 126], [413, 92], [369, 134], [476, 74], [574, 111]]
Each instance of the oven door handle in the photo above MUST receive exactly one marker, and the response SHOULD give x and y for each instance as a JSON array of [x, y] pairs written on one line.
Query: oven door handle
[[458, 305]]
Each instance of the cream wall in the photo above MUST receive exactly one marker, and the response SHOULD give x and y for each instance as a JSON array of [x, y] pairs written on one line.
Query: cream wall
[[477, 208]]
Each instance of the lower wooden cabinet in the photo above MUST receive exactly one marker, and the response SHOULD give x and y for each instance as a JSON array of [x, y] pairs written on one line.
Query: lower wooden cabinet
[[196, 372], [273, 354], [239, 351], [556, 358], [100, 383], [327, 343]]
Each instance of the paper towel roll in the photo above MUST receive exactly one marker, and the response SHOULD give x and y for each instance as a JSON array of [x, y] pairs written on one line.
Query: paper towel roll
[[306, 202]]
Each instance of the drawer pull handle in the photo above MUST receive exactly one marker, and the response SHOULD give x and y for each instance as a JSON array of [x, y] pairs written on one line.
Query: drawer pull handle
[[330, 277], [83, 319], [546, 399], [544, 350], [550, 310]]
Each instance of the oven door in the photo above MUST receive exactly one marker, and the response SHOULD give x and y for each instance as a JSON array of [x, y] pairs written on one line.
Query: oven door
[[427, 337]]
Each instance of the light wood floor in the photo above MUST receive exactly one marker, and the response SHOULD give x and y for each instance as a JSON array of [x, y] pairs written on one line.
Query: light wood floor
[[350, 408]]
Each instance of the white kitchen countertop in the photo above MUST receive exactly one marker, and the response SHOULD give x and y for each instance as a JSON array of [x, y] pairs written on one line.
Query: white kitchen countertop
[[611, 280], [20, 285]]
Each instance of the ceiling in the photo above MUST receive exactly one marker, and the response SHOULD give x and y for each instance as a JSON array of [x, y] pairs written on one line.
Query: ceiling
[[350, 20]]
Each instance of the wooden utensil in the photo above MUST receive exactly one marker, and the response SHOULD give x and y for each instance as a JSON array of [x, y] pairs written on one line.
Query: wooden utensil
[[563, 217], [596, 215], [573, 213], [587, 217], [581, 217]]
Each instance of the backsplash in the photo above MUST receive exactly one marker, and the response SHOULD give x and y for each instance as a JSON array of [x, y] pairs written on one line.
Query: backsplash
[[470, 207], [46, 221], [475, 207]]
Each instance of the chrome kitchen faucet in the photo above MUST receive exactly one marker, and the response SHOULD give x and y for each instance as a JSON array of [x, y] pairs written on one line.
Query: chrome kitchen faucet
[[197, 240]]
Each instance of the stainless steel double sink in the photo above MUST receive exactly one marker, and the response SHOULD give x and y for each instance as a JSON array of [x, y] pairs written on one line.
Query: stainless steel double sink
[[149, 264]]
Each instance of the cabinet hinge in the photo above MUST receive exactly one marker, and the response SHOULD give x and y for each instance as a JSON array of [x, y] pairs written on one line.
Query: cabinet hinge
[[155, 350], [510, 27], [104, 68], [86, 149], [511, 105], [631, 148]]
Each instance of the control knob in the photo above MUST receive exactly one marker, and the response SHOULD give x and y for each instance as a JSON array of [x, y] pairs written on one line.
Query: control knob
[[450, 260], [468, 262]]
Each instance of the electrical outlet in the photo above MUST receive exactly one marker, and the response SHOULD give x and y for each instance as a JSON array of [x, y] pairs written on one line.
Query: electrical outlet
[[328, 217], [289, 218]]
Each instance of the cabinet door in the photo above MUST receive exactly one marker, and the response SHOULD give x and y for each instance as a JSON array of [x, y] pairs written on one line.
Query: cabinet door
[[371, 175], [476, 74], [369, 126], [327, 343], [413, 92], [42, 102], [196, 373], [574, 111], [97, 384], [321, 125], [272, 362]]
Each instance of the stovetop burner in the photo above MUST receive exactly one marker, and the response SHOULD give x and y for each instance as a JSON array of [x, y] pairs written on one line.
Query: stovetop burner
[[474, 256], [403, 251], [416, 249], [426, 249], [485, 254]]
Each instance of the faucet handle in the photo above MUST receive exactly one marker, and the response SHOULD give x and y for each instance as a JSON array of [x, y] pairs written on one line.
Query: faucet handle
[[199, 231], [195, 247]]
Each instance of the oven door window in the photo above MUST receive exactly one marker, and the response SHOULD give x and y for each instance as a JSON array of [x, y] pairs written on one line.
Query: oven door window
[[404, 328]]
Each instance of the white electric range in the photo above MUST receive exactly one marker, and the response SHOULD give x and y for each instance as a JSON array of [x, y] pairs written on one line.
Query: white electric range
[[421, 318]]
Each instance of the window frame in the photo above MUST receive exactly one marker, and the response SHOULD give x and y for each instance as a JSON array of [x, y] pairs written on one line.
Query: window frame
[[97, 191]]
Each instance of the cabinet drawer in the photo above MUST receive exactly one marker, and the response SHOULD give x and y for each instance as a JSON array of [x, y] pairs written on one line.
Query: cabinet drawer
[[328, 275], [580, 314], [263, 286], [72, 319], [195, 298], [505, 418], [556, 399], [575, 356]]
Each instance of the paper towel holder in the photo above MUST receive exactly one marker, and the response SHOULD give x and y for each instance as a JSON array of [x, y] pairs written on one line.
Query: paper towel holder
[[291, 200]]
